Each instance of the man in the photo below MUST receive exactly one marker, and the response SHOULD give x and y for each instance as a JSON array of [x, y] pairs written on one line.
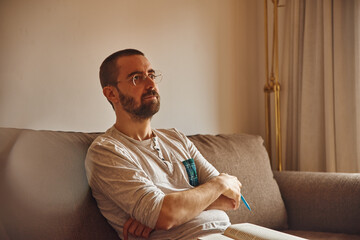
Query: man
[[152, 183]]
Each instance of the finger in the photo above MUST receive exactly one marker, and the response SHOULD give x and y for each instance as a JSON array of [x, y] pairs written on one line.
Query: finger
[[236, 199], [233, 204], [146, 232], [237, 203], [132, 227], [233, 193], [139, 230], [126, 228]]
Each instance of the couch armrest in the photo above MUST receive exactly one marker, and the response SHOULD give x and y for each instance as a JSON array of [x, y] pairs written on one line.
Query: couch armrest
[[328, 202]]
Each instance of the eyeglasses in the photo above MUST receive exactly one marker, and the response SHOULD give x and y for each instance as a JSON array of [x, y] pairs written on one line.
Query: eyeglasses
[[139, 78]]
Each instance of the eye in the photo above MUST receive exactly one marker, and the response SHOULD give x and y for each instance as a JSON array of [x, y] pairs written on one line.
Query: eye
[[152, 76], [136, 77]]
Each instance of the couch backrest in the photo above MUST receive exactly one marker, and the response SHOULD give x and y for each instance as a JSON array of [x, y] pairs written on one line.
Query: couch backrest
[[44, 191], [244, 156], [45, 195]]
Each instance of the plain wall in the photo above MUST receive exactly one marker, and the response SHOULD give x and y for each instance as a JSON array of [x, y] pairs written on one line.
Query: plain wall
[[210, 52]]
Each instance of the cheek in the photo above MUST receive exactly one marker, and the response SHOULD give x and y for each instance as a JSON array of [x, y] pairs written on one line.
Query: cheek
[[137, 95], [132, 92]]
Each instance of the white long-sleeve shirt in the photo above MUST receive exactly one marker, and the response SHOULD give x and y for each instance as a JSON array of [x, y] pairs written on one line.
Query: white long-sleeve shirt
[[130, 178]]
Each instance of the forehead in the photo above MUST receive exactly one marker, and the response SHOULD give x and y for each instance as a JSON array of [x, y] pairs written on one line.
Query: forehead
[[133, 63]]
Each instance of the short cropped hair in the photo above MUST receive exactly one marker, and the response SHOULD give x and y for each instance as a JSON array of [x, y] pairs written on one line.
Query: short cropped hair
[[108, 69]]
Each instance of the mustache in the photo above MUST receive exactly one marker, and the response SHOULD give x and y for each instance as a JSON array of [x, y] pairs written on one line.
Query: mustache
[[151, 92]]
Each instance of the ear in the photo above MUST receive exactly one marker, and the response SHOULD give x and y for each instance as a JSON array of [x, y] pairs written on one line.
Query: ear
[[111, 94]]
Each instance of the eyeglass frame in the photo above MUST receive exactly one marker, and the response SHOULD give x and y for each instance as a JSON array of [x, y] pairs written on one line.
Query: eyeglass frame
[[155, 76]]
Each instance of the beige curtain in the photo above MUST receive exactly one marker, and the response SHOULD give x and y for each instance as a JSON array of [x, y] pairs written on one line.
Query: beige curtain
[[321, 85]]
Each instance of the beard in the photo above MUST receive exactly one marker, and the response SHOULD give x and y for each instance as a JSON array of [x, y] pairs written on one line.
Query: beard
[[145, 110]]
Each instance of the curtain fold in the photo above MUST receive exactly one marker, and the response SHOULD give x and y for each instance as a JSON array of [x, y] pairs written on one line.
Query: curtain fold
[[320, 83]]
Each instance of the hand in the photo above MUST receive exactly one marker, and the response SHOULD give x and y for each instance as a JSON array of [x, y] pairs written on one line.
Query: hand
[[136, 229], [232, 187], [223, 203]]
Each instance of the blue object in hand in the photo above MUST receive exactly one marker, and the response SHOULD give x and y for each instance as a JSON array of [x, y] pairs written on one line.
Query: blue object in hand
[[246, 204]]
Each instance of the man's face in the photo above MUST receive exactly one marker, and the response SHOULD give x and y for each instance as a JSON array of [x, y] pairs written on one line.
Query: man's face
[[143, 100], [146, 109]]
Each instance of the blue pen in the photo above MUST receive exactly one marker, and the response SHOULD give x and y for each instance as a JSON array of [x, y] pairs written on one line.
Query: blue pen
[[246, 204]]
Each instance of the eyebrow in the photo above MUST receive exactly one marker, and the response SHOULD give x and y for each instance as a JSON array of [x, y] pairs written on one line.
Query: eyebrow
[[139, 72]]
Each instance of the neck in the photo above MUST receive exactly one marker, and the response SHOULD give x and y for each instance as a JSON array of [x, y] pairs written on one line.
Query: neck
[[138, 130]]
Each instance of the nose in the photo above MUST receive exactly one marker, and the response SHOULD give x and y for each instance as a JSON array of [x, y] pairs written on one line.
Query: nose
[[150, 83]]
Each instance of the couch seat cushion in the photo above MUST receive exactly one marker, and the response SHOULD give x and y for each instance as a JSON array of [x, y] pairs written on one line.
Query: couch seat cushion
[[322, 235]]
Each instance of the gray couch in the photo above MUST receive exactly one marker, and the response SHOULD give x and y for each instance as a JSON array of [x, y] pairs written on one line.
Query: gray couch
[[45, 195]]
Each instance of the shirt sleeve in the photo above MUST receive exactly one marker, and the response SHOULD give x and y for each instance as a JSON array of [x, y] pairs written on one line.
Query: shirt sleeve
[[205, 170], [112, 171]]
